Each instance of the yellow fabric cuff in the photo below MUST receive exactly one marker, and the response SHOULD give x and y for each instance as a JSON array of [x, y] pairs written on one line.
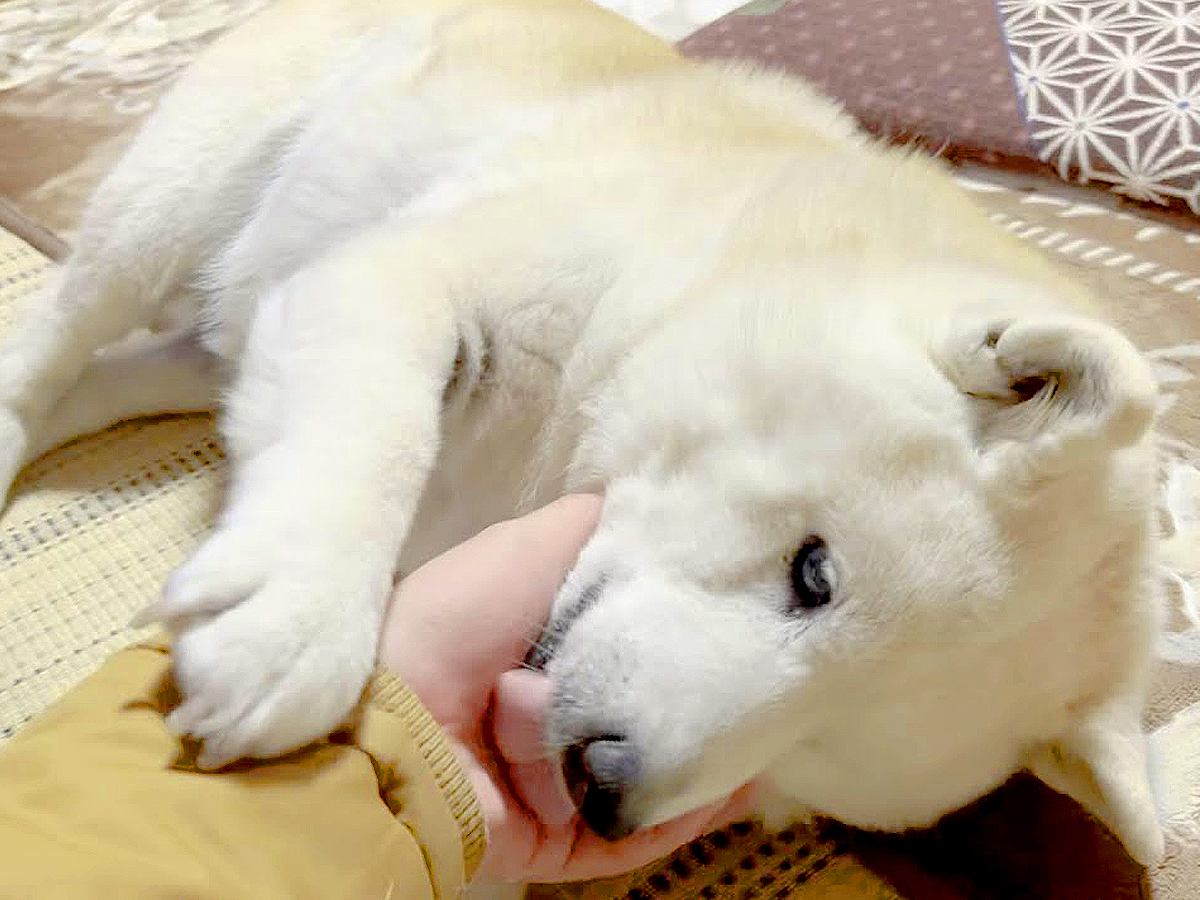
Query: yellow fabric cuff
[[389, 694]]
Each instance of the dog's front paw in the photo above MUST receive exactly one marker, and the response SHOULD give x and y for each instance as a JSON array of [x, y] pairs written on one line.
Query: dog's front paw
[[269, 655]]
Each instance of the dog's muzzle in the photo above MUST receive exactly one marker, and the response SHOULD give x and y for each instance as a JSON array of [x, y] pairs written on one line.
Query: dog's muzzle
[[599, 769]]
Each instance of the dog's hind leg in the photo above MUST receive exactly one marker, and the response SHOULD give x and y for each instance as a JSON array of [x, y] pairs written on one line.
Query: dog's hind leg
[[141, 376], [103, 294], [44, 355], [190, 176]]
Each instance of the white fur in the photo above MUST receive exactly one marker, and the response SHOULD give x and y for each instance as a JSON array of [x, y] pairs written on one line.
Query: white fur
[[454, 261]]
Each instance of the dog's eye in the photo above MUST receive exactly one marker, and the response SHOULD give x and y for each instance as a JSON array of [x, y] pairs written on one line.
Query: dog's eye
[[812, 575]]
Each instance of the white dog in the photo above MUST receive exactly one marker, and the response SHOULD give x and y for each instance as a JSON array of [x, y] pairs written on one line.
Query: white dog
[[878, 524]]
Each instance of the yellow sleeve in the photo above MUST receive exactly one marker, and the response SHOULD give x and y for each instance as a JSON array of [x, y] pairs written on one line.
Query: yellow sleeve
[[95, 802]]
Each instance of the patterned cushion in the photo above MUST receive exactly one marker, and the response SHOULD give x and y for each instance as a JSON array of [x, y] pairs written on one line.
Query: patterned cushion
[[1105, 92]]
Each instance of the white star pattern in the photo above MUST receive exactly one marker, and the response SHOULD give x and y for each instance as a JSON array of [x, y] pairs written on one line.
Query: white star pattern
[[1112, 91]]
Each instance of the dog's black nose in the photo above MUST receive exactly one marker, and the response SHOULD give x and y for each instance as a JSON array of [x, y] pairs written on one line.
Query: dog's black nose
[[598, 770]]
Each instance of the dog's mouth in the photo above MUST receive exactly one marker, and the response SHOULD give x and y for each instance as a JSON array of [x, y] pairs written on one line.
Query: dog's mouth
[[556, 629]]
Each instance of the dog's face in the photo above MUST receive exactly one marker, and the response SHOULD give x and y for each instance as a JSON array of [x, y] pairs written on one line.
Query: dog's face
[[834, 570]]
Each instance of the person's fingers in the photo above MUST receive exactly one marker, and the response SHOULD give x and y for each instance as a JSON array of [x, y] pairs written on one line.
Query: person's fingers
[[519, 704], [513, 833], [740, 805], [512, 841], [514, 565], [471, 613], [542, 791], [595, 858], [490, 796]]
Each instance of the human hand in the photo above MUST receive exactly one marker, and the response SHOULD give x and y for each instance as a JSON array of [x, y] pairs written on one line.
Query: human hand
[[457, 632]]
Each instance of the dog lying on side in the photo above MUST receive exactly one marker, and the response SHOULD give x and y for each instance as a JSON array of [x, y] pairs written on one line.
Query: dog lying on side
[[878, 525]]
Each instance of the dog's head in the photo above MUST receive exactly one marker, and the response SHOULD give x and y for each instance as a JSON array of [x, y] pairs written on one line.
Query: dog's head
[[882, 571]]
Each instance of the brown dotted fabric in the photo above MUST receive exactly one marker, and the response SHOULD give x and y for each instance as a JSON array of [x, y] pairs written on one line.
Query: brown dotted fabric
[[931, 68]]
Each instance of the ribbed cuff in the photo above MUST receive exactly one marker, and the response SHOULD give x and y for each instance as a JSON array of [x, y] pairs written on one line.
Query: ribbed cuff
[[388, 693]]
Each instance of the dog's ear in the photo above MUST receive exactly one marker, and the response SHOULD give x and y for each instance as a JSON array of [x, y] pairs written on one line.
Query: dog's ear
[[1103, 765], [1048, 389]]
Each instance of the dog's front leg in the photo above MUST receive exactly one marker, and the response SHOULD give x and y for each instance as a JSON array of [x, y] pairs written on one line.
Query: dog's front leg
[[333, 427]]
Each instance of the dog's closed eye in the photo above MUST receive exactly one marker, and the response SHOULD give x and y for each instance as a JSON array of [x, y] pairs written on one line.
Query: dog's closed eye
[[552, 634], [812, 575]]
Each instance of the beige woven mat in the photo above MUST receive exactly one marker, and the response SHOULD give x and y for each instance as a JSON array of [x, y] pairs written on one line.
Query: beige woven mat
[[95, 526], [91, 531]]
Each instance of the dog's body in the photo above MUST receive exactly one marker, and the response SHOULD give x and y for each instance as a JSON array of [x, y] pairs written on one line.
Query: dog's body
[[454, 260]]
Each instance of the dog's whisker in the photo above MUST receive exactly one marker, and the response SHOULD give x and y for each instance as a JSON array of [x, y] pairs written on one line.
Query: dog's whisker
[[537, 645]]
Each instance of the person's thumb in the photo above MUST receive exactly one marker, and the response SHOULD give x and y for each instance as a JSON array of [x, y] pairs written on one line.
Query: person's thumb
[[472, 613]]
